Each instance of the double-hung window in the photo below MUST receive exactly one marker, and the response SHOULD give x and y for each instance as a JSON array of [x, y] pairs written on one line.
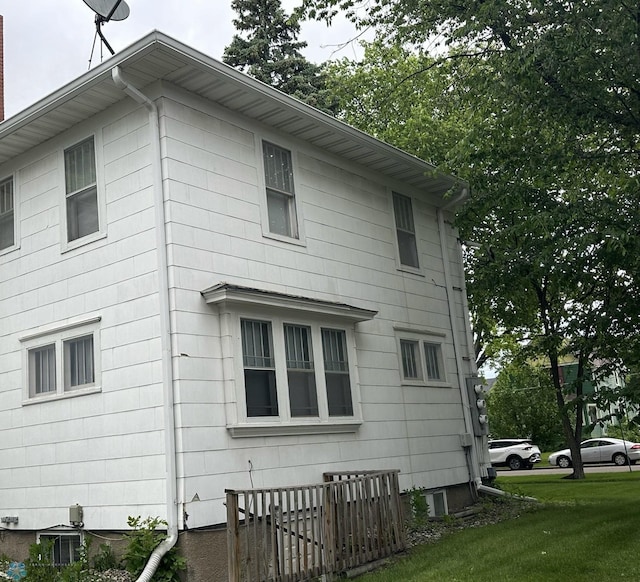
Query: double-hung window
[[336, 372], [62, 362], [405, 231], [301, 377], [281, 198], [7, 220], [259, 368], [81, 190], [421, 360]]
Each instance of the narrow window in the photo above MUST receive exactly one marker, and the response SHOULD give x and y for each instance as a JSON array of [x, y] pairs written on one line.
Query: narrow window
[[300, 371], [432, 356], [405, 229], [78, 362], [7, 235], [259, 368], [410, 360], [281, 207], [336, 368], [42, 370], [81, 190]]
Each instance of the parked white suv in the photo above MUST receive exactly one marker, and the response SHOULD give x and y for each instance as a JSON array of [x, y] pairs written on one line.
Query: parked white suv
[[513, 453]]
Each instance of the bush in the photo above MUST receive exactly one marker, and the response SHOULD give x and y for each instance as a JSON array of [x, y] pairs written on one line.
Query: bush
[[143, 539]]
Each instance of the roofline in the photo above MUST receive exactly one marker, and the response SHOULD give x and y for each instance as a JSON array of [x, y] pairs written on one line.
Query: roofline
[[156, 38]]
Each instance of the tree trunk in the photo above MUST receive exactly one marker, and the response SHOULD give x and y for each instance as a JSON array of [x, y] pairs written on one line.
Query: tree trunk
[[573, 437]]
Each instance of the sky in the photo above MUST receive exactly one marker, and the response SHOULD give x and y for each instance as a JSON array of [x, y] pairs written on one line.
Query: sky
[[48, 43]]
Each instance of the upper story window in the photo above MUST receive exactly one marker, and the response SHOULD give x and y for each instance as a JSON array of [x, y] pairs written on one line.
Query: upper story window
[[294, 362], [81, 190], [281, 199], [405, 230], [7, 220], [62, 362], [421, 358]]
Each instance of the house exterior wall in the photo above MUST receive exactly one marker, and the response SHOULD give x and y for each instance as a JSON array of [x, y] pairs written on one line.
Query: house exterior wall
[[347, 254], [105, 450]]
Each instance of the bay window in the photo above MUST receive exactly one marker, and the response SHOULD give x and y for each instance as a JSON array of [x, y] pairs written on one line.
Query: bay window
[[294, 362]]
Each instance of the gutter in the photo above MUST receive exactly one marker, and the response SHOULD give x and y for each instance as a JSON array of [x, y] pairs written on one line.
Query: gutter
[[165, 326], [473, 473]]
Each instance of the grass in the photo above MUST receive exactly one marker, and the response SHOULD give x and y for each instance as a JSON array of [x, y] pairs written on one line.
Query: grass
[[583, 530]]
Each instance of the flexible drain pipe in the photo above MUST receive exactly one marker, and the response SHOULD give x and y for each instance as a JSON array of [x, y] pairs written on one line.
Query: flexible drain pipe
[[165, 326], [498, 492]]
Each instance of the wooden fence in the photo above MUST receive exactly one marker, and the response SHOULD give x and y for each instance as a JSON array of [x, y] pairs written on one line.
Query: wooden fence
[[287, 534]]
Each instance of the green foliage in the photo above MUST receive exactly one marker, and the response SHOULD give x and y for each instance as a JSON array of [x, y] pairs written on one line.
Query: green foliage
[[628, 430], [39, 564], [271, 52], [78, 571], [522, 403], [142, 540], [105, 559], [537, 106], [419, 508]]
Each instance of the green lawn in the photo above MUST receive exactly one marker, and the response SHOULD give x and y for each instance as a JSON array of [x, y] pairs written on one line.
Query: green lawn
[[585, 530]]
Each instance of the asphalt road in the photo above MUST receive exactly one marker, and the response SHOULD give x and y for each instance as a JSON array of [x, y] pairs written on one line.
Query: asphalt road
[[551, 470]]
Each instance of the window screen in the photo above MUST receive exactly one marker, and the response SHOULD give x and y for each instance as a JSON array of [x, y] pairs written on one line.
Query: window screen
[[336, 366], [300, 371], [405, 230], [81, 189], [78, 361], [259, 368], [278, 174], [42, 368], [432, 357]]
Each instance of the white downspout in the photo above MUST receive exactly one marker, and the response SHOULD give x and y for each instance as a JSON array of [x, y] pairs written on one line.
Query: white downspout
[[454, 335], [165, 327]]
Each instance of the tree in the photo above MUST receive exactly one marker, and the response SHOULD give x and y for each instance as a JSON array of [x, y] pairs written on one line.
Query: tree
[[271, 52], [521, 403], [555, 264]]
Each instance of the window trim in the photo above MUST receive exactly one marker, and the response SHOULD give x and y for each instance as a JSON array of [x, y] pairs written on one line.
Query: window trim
[[236, 303], [262, 186], [58, 336], [285, 422], [65, 243], [400, 265], [16, 222], [420, 338]]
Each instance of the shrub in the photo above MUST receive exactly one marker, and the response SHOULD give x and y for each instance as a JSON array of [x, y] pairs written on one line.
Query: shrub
[[142, 540]]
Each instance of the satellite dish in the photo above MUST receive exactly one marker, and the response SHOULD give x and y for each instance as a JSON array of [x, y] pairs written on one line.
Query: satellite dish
[[107, 10]]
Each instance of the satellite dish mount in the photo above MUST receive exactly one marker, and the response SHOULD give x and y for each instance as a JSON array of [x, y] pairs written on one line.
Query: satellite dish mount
[[107, 10]]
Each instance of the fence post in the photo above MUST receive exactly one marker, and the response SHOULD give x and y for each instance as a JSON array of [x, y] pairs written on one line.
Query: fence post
[[233, 536]]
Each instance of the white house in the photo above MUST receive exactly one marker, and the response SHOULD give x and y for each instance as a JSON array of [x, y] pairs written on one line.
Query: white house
[[206, 284]]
